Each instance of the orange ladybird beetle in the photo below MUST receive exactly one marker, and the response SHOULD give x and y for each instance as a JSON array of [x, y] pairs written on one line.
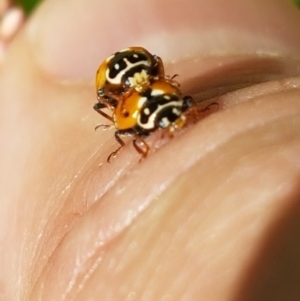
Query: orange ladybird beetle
[[161, 105], [126, 70], [133, 86]]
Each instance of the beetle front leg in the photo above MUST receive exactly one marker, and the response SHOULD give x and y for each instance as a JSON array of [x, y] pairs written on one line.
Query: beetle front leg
[[120, 141], [141, 150], [98, 108], [159, 66]]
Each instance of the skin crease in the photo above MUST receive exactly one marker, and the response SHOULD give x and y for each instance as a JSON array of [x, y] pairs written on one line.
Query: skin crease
[[212, 214]]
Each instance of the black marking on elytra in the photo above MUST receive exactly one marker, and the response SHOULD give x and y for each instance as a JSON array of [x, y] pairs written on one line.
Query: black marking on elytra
[[135, 57], [153, 104], [113, 72], [147, 93], [169, 116], [169, 113], [119, 59]]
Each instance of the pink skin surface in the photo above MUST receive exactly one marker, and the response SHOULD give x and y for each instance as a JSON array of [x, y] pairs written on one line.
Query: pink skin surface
[[212, 214], [11, 20]]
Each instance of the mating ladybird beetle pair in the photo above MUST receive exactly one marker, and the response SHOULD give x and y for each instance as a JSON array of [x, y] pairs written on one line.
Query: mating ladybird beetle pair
[[132, 84]]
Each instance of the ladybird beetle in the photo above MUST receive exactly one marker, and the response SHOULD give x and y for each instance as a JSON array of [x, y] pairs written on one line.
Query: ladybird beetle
[[161, 105], [128, 69]]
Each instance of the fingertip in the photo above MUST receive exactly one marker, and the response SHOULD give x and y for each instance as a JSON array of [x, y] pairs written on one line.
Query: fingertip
[[71, 38]]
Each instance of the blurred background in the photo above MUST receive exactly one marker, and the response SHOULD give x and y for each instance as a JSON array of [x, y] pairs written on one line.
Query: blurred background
[[28, 5]]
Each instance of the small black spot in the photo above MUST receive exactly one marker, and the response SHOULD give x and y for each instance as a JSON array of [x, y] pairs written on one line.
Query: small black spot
[[125, 114]]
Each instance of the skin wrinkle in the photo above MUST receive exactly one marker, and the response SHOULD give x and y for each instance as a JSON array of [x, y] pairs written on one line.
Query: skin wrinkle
[[130, 176], [207, 21], [229, 74], [83, 174]]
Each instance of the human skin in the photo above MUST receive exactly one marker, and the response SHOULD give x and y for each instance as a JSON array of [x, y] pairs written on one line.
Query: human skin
[[212, 214]]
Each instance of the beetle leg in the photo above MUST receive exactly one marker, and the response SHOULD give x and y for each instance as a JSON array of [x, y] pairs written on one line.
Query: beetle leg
[[141, 150], [214, 106], [98, 108], [159, 66], [104, 126], [174, 76], [127, 93], [209, 109], [120, 141], [171, 80], [113, 99], [176, 125]]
